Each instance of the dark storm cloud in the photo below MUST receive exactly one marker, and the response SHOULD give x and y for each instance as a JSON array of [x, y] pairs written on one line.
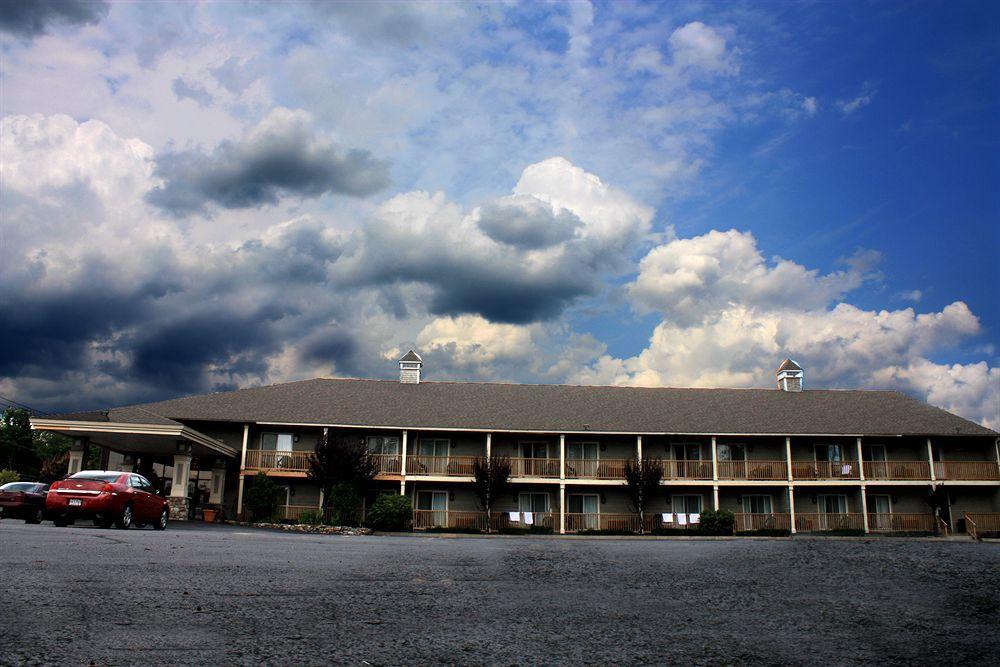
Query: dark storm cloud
[[527, 223], [30, 18], [284, 159]]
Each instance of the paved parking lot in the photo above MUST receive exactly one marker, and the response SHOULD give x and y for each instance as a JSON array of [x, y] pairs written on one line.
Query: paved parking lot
[[201, 594]]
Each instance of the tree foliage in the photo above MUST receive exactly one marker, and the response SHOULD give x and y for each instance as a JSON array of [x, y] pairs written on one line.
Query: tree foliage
[[491, 481], [33, 454], [642, 484], [263, 498], [343, 469]]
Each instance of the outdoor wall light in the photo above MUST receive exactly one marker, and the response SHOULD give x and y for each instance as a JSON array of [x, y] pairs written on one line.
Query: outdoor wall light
[[739, 500], [451, 495], [604, 447], [814, 500], [516, 498], [604, 499], [895, 499], [291, 490], [667, 499], [453, 444], [295, 437]]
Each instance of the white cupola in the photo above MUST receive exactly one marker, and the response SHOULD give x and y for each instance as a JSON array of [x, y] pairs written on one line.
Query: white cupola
[[790, 376], [409, 368]]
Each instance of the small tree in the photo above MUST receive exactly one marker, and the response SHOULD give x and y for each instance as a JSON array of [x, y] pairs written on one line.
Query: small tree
[[390, 512], [492, 480], [344, 470], [263, 497], [54, 468], [7, 476], [642, 479]]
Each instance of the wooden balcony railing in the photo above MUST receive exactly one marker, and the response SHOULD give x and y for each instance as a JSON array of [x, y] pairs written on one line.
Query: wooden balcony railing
[[805, 523], [825, 470], [596, 468], [766, 470], [534, 467], [388, 464], [977, 523], [479, 520], [967, 470], [918, 470], [673, 469], [270, 460], [458, 466], [749, 522], [901, 523]]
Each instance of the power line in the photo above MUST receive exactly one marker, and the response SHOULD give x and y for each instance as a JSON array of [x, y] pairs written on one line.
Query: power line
[[12, 403]]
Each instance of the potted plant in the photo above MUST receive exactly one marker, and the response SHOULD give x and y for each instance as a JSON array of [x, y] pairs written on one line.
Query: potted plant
[[210, 513]]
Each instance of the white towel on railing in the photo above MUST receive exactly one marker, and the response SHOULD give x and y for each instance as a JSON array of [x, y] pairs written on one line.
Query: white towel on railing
[[846, 469], [682, 519], [514, 516], [668, 517], [528, 519], [695, 518]]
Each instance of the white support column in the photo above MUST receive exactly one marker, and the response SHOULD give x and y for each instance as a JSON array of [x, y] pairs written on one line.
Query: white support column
[[321, 499], [864, 508], [77, 454], [218, 489], [638, 448], [930, 459], [178, 500], [861, 465], [788, 456], [715, 497], [791, 508], [243, 462], [562, 456], [489, 446], [402, 465], [715, 468], [562, 509]]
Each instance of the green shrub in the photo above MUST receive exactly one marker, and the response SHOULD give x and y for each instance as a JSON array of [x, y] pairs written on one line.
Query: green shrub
[[531, 530], [311, 517], [717, 522], [766, 532], [7, 476], [263, 498], [344, 503], [390, 512]]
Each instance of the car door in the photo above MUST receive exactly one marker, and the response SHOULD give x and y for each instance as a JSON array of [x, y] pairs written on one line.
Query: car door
[[144, 500]]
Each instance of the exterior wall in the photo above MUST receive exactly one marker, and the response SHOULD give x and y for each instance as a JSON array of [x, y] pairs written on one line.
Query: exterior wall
[[972, 499], [902, 500], [803, 448], [964, 449], [462, 444], [611, 500], [758, 448], [508, 444], [609, 447], [730, 498], [659, 447], [804, 498]]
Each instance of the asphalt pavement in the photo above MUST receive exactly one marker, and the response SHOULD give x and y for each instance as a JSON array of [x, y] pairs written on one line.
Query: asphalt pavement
[[220, 595]]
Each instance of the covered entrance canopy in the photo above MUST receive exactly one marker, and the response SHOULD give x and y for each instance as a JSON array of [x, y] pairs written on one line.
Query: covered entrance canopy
[[144, 434]]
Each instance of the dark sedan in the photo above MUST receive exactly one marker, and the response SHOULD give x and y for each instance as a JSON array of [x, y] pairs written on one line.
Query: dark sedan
[[24, 500]]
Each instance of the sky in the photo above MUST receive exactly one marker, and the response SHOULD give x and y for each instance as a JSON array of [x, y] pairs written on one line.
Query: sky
[[197, 197]]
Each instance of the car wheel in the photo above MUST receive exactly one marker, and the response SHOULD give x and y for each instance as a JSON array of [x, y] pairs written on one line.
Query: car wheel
[[60, 521], [162, 523], [35, 517], [124, 520]]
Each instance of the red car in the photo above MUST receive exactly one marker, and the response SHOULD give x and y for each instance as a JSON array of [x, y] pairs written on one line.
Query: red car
[[106, 497], [23, 499]]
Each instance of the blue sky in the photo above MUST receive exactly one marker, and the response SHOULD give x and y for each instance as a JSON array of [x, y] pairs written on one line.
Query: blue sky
[[212, 195]]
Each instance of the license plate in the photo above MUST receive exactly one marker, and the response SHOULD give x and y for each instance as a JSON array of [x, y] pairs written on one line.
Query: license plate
[[75, 502]]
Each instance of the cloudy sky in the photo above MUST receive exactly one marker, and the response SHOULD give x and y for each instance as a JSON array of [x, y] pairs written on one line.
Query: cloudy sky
[[199, 197]]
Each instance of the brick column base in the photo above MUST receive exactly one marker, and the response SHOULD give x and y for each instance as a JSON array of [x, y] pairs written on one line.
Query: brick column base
[[178, 508]]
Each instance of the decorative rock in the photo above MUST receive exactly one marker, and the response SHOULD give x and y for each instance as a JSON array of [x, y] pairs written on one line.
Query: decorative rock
[[306, 528]]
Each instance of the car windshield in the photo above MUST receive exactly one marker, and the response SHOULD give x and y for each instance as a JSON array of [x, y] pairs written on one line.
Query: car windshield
[[18, 486], [101, 476]]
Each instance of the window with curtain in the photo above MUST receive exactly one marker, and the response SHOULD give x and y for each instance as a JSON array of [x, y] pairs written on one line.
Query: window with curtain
[[686, 504], [582, 451], [832, 504], [433, 447], [281, 442], [582, 503], [533, 502], [378, 444], [828, 452], [757, 504], [432, 500], [732, 452], [687, 451], [534, 450]]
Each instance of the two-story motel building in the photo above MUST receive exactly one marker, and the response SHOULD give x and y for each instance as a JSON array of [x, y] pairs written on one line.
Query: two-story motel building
[[783, 458]]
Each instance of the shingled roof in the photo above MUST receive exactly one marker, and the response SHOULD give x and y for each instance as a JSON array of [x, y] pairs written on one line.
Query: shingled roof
[[564, 408]]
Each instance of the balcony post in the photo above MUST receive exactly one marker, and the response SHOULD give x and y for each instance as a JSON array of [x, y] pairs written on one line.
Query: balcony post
[[861, 465], [562, 508], [864, 508], [930, 459], [788, 456], [243, 463], [791, 508], [489, 446], [562, 456], [402, 466], [715, 469], [638, 449], [715, 497]]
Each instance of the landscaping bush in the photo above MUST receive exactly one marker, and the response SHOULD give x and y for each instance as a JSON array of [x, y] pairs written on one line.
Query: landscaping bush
[[390, 512], [344, 503], [7, 476], [718, 522], [766, 532], [263, 498], [311, 518], [531, 530]]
